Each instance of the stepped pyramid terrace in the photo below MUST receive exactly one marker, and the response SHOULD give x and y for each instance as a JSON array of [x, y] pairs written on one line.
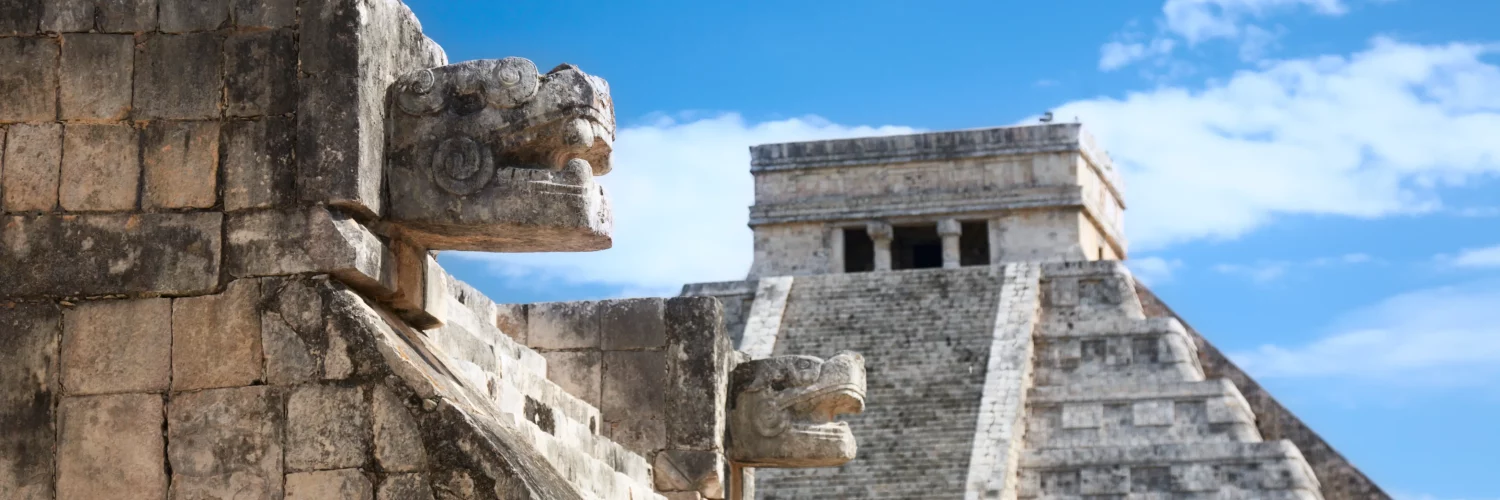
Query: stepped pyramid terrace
[[218, 230]]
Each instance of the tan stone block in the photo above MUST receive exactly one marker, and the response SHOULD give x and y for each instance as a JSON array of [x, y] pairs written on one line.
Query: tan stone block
[[404, 487], [344, 484], [258, 166], [632, 323], [226, 443], [398, 441], [563, 325], [577, 372], [33, 160], [96, 70], [100, 171], [632, 398], [511, 319], [181, 163], [327, 428], [117, 346], [111, 445], [28, 86], [216, 338]]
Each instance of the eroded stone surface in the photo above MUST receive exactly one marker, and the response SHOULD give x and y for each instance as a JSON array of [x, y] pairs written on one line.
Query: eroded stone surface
[[180, 16], [259, 171], [28, 88], [100, 168], [29, 335], [398, 441], [111, 444], [328, 427], [633, 399], [179, 76], [350, 484], [404, 487], [95, 76], [111, 346], [181, 163], [576, 372], [109, 16], [216, 339], [226, 443], [174, 254], [261, 75], [32, 163]]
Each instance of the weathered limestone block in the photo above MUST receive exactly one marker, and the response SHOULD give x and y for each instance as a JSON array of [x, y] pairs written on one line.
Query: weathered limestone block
[[313, 239], [259, 171], [28, 87], [20, 17], [181, 16], [111, 346], [262, 73], [111, 444], [181, 163], [698, 365], [226, 443], [95, 76], [577, 372], [263, 13], [179, 76], [100, 168], [784, 408], [563, 325], [349, 53], [633, 403], [344, 484], [512, 320], [328, 427], [176, 254], [216, 339], [108, 16], [292, 331], [690, 470], [398, 441], [29, 335], [491, 155], [32, 164], [404, 487], [632, 324]]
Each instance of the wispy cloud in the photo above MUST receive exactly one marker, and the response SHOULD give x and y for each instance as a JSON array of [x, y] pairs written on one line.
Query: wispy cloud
[[1266, 271], [1154, 271], [1474, 258], [1192, 22], [1444, 335]]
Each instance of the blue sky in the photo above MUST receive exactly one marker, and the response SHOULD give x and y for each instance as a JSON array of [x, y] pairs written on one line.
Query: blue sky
[[1311, 183]]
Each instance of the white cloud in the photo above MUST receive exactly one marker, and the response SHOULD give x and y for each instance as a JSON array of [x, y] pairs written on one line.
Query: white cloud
[[1197, 21], [1153, 271], [1368, 135], [1442, 335], [1266, 271], [681, 192], [1488, 257]]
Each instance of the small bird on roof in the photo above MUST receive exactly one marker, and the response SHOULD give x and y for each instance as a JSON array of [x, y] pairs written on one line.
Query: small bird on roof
[[1047, 117]]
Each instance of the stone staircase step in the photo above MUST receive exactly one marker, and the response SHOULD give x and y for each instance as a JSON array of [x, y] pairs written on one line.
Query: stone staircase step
[[1273, 469], [1154, 350], [1127, 414]]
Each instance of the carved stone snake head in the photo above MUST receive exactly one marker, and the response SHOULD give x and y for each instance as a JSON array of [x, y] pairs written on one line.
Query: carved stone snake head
[[783, 410], [492, 155]]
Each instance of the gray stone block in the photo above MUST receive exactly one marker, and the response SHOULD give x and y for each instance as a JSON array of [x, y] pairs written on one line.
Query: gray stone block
[[328, 427], [261, 76], [398, 441], [577, 372], [100, 168], [181, 161], [28, 87], [32, 164], [690, 470], [174, 254], [216, 339], [633, 400], [20, 17], [108, 16], [632, 324], [347, 484], [111, 346], [405, 487], [28, 391], [111, 444], [226, 443], [95, 76], [698, 365], [179, 77], [182, 16], [263, 13], [309, 240], [292, 331], [563, 325], [259, 171]]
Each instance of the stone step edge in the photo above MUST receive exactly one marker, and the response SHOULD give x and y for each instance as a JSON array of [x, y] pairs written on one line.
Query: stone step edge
[[1125, 392], [1111, 327], [1163, 454]]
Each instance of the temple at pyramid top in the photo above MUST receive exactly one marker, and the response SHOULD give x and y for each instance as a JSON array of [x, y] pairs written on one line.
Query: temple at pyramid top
[[940, 199]]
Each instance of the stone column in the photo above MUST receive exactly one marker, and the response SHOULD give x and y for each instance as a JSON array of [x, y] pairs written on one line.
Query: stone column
[[881, 233], [949, 230]]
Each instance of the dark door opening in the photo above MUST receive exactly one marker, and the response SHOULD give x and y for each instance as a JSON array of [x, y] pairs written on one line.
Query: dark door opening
[[916, 247], [859, 251], [974, 244]]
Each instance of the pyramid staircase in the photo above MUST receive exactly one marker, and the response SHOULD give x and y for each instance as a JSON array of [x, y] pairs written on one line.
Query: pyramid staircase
[[1120, 408]]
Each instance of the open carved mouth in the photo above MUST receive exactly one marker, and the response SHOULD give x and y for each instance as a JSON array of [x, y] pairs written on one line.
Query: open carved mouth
[[822, 407]]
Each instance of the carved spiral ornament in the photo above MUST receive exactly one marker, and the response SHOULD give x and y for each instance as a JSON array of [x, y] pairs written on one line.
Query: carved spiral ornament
[[462, 166], [513, 81], [418, 93]]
